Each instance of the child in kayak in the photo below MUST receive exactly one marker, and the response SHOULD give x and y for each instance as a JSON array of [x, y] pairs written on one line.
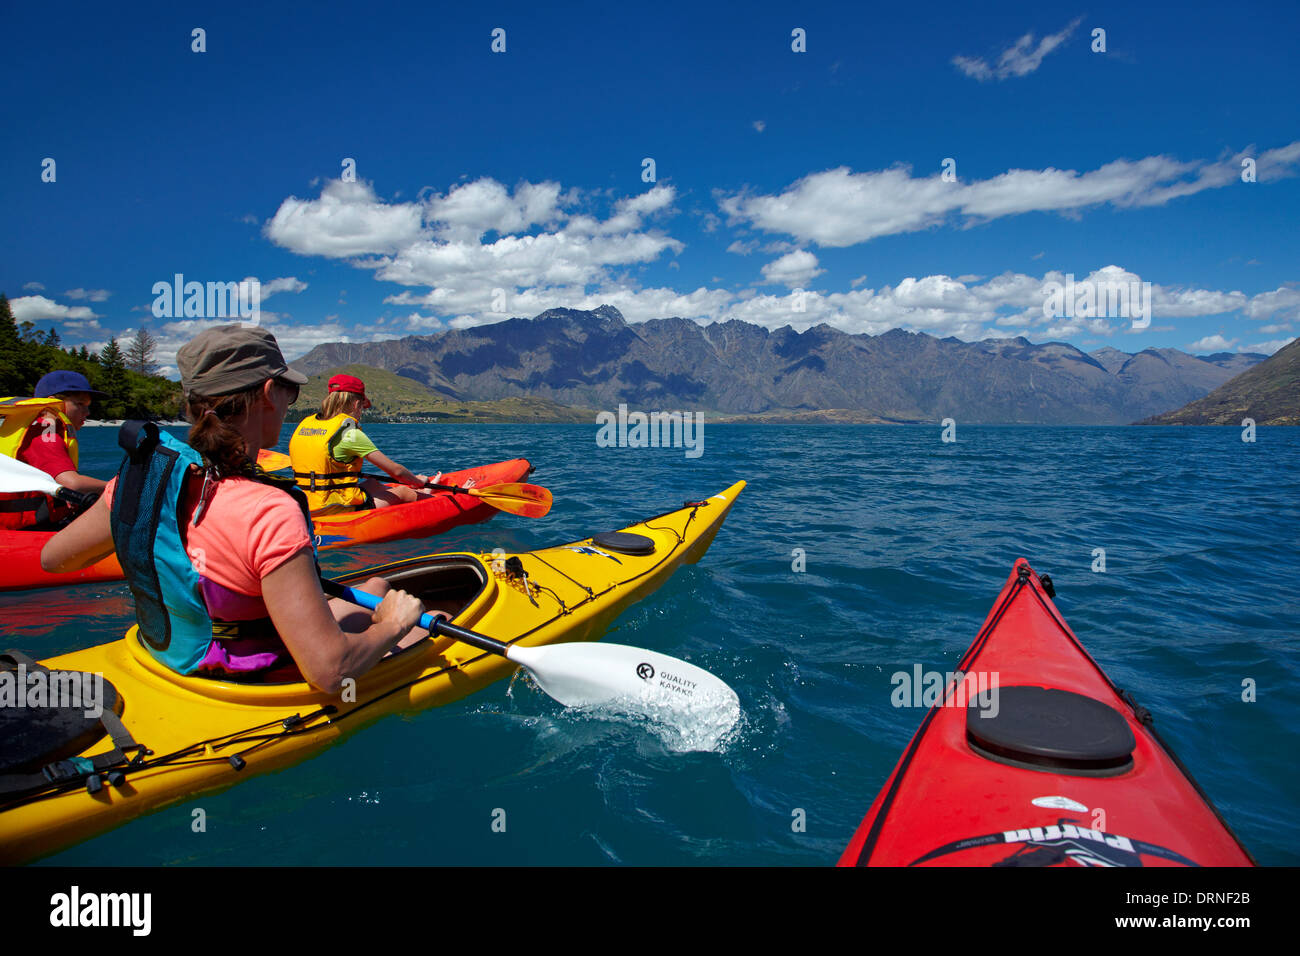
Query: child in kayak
[[231, 589], [329, 449], [42, 432]]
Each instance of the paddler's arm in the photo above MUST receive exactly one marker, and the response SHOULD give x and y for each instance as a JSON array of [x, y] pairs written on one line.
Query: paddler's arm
[[45, 449], [79, 482], [80, 544], [395, 471], [323, 652]]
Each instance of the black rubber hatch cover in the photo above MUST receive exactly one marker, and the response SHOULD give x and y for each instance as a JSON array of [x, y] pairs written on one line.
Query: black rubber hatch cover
[[1042, 728]]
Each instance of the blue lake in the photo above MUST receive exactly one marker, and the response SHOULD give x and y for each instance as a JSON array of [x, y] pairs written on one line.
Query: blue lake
[[905, 541]]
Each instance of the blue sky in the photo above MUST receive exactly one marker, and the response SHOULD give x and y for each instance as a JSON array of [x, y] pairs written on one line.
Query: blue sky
[[775, 170]]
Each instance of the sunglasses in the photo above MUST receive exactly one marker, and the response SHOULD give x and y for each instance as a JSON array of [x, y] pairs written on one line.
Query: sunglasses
[[291, 387]]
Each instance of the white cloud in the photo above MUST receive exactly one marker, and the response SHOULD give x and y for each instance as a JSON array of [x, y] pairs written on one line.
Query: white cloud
[[294, 339], [838, 207], [1019, 59], [841, 208], [796, 268], [1283, 302], [423, 323], [33, 287], [1212, 343], [93, 295], [472, 209], [537, 247], [37, 308], [81, 326], [1280, 327], [284, 284], [1268, 348], [1076, 327], [347, 220], [456, 255], [1000, 306]]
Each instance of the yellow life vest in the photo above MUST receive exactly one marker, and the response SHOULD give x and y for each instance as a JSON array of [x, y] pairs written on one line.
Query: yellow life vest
[[329, 485], [17, 414], [22, 509]]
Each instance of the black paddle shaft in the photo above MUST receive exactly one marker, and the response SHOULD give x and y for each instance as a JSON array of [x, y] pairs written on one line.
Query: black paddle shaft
[[435, 625], [81, 500], [389, 479]]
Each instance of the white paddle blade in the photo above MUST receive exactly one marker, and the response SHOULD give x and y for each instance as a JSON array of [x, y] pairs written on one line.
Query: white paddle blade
[[633, 680], [18, 476]]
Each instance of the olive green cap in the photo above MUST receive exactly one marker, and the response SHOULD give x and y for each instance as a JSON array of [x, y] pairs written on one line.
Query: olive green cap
[[232, 358]]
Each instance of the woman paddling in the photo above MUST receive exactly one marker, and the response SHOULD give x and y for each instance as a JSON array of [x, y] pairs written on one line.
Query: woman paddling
[[329, 449], [218, 555]]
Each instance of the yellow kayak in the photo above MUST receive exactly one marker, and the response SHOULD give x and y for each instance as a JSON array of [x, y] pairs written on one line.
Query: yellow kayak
[[196, 735]]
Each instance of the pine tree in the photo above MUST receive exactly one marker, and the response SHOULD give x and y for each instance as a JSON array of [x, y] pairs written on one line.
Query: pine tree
[[113, 377], [11, 379], [139, 353]]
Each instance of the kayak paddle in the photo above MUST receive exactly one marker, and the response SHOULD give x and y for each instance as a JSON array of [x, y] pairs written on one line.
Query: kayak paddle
[[578, 674], [517, 498], [19, 477]]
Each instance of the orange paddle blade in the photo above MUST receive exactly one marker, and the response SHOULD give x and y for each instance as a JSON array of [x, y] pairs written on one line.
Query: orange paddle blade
[[272, 460], [528, 501]]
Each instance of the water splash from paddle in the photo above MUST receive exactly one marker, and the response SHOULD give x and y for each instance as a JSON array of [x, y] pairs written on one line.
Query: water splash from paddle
[[702, 725]]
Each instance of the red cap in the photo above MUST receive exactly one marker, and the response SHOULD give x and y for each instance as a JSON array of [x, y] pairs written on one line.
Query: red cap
[[348, 383]]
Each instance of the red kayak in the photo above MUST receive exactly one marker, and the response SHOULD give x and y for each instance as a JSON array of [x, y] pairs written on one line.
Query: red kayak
[[1034, 758], [20, 551]]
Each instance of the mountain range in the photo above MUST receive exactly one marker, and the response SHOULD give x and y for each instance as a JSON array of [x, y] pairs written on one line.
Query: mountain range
[[598, 360]]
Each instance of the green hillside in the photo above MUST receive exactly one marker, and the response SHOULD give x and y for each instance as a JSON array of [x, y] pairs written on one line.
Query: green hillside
[[1269, 393], [397, 399]]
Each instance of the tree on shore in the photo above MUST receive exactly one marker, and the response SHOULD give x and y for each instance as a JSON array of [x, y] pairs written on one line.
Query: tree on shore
[[11, 377], [113, 379], [140, 350], [27, 353]]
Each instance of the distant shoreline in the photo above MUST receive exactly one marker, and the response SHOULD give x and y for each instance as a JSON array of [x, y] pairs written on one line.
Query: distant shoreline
[[753, 421], [118, 423]]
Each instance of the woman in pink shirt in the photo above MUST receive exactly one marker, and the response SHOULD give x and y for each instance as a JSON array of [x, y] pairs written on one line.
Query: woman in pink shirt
[[248, 541]]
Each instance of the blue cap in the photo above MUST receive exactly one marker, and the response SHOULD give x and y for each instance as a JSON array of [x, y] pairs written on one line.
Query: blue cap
[[63, 380]]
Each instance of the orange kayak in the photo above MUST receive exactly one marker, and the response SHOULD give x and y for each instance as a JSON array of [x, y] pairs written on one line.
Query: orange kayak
[[20, 551]]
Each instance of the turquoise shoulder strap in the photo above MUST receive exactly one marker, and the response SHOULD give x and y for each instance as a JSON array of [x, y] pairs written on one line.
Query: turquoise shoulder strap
[[145, 520]]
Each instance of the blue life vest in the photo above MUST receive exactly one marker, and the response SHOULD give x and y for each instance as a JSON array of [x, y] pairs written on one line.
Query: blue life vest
[[147, 519]]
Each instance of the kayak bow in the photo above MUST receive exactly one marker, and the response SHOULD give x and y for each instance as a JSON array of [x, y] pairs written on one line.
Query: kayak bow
[[1034, 758]]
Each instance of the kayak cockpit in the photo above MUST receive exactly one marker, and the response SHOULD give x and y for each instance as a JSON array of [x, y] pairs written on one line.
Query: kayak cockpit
[[449, 584], [457, 584]]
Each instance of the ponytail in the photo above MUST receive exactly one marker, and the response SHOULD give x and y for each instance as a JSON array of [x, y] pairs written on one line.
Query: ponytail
[[338, 403], [213, 433]]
